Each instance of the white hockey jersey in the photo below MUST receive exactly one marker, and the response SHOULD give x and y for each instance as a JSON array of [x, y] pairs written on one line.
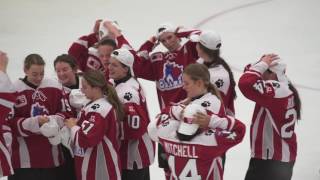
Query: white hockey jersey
[[136, 145]]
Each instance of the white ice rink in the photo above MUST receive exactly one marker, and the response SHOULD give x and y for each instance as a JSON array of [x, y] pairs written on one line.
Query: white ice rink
[[248, 28]]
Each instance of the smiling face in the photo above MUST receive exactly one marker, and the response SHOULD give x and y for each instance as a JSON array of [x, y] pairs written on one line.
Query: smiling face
[[170, 41], [35, 74], [116, 69], [65, 73]]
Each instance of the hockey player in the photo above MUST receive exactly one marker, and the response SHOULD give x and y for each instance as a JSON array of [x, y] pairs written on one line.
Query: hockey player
[[277, 109], [137, 150], [7, 99], [194, 152], [200, 91], [66, 69], [92, 51], [208, 48], [39, 112], [165, 68], [95, 135]]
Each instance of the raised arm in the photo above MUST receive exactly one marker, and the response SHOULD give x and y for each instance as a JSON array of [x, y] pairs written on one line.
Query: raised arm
[[142, 64], [253, 86]]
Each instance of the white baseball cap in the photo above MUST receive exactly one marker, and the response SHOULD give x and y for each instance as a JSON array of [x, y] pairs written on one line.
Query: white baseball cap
[[186, 126], [165, 27], [125, 57], [103, 31], [209, 39]]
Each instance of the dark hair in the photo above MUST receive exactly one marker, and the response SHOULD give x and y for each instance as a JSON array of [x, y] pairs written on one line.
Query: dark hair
[[66, 58], [95, 78], [107, 41], [297, 100], [200, 72], [32, 59], [183, 137], [214, 55]]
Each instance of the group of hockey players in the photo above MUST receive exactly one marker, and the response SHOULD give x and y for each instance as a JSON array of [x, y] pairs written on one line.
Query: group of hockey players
[[93, 123]]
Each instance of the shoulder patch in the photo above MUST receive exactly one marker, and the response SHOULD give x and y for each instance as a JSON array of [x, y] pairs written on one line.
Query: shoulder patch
[[95, 106], [101, 106], [205, 104], [219, 83], [158, 56], [209, 132], [276, 84], [127, 96]]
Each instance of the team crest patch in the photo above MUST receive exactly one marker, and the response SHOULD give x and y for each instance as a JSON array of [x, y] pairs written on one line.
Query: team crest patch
[[37, 109], [172, 76]]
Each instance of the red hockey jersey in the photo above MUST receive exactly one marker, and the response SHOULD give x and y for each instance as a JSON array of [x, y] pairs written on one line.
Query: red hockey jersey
[[272, 133], [7, 99], [198, 158], [136, 145], [165, 68], [30, 149], [96, 142]]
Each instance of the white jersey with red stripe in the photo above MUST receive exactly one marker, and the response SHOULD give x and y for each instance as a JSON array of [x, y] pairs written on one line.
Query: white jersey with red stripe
[[211, 103], [219, 77], [165, 68], [198, 158], [30, 147], [96, 142], [136, 145], [272, 129], [7, 99]]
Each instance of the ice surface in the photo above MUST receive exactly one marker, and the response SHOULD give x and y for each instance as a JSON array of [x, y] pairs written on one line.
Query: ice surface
[[289, 28]]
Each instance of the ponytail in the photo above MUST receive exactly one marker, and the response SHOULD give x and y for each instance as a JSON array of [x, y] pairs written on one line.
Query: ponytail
[[297, 100], [232, 81], [213, 90], [95, 78], [113, 99], [215, 58]]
